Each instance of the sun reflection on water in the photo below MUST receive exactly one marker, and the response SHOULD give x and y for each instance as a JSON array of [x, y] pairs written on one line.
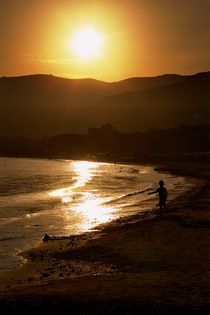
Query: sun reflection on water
[[84, 173], [89, 206]]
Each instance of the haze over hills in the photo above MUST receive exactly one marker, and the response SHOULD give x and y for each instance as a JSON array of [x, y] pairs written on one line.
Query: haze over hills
[[44, 105], [186, 102]]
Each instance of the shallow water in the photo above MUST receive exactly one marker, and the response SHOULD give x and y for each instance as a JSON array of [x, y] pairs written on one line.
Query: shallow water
[[62, 197]]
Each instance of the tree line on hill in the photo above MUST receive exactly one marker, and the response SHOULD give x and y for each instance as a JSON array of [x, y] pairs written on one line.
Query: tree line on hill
[[107, 143]]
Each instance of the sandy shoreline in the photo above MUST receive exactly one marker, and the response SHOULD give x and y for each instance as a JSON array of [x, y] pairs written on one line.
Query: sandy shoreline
[[158, 265]]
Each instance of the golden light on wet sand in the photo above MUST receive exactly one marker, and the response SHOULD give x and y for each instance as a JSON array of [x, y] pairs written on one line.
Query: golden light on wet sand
[[93, 211]]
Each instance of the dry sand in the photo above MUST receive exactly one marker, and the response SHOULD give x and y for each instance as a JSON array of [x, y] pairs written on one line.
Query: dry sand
[[159, 264]]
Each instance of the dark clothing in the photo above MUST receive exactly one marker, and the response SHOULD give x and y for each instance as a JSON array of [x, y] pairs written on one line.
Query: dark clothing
[[162, 191]]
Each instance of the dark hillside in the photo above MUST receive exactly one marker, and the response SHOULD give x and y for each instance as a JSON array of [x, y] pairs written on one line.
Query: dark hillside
[[158, 108], [44, 105]]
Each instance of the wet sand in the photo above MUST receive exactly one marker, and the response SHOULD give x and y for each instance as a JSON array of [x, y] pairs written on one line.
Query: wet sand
[[155, 264]]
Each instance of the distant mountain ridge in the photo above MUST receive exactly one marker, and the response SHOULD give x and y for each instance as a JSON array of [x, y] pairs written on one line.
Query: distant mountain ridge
[[44, 105]]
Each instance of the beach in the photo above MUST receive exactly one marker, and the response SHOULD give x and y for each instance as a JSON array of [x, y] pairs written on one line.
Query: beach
[[156, 264]]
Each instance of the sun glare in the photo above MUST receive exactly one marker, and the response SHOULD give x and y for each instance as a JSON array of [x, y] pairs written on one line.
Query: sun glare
[[87, 44]]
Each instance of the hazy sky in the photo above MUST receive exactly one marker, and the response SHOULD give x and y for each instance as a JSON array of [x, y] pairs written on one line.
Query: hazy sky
[[140, 37]]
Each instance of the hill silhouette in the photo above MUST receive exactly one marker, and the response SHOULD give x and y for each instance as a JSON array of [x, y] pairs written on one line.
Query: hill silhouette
[[186, 102], [44, 105]]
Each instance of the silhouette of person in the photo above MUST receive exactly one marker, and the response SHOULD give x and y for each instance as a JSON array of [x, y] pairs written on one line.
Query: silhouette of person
[[162, 191]]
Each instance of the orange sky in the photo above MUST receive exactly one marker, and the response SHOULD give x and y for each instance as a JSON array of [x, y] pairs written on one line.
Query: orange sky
[[141, 37]]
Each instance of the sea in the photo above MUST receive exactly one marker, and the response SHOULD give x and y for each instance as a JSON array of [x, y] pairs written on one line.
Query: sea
[[65, 197]]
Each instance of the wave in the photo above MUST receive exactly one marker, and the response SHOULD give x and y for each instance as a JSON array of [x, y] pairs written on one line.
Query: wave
[[128, 195]]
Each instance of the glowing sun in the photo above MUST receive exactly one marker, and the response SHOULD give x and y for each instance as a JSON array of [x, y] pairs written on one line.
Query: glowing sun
[[87, 44]]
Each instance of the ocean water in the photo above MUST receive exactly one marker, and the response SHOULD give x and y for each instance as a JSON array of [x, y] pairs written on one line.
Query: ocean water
[[63, 197]]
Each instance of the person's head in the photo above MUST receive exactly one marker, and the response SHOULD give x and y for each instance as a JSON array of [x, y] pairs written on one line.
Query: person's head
[[161, 183]]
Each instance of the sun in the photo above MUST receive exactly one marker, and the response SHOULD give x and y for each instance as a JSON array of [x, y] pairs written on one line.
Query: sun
[[87, 44]]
